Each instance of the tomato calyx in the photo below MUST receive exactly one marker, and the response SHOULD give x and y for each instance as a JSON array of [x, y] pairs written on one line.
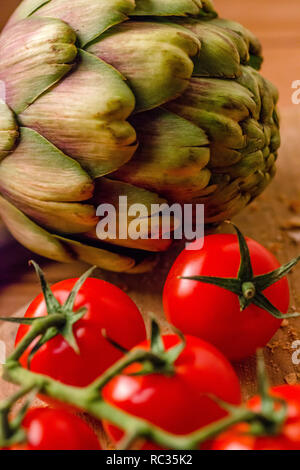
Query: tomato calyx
[[273, 414], [65, 314], [159, 359], [246, 286], [11, 431]]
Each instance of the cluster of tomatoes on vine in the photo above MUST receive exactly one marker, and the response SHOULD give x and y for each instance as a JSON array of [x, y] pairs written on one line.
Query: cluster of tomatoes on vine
[[228, 299]]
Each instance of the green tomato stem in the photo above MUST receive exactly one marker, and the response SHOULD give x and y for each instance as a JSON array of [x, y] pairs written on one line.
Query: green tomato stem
[[4, 427], [137, 355], [39, 327], [87, 400], [8, 433], [128, 441], [90, 400], [249, 290]]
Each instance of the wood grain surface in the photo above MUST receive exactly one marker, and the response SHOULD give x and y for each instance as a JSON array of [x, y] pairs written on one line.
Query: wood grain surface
[[266, 220]]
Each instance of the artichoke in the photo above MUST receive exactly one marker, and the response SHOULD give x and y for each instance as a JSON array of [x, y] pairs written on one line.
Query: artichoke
[[156, 100]]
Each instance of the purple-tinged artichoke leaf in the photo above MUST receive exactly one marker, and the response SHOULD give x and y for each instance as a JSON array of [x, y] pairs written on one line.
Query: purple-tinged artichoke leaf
[[99, 257], [172, 156], [88, 19], [154, 57], [85, 116], [8, 130], [33, 178], [31, 235], [35, 54]]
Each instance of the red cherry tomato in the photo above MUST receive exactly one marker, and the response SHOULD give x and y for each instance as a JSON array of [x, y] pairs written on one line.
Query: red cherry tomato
[[177, 403], [213, 313], [108, 308], [238, 437], [49, 429]]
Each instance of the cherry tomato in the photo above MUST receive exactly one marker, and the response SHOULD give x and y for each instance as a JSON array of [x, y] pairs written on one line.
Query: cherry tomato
[[108, 308], [238, 437], [49, 429], [176, 403], [213, 313]]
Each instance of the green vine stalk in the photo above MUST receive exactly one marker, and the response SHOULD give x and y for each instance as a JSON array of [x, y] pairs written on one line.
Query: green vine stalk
[[90, 400]]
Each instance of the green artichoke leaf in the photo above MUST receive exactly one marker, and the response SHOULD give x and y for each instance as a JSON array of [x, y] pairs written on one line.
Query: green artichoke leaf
[[221, 156], [224, 97], [172, 156], [9, 132], [88, 18], [154, 57], [99, 257], [253, 42], [62, 217], [248, 79], [168, 7], [208, 10], [269, 98], [275, 137], [226, 198], [264, 93], [218, 57], [31, 235], [241, 44], [107, 192], [256, 183], [39, 170], [35, 54], [216, 214], [144, 264], [222, 51], [224, 190], [85, 116], [33, 177], [217, 106], [111, 258], [249, 164], [256, 136], [148, 244]]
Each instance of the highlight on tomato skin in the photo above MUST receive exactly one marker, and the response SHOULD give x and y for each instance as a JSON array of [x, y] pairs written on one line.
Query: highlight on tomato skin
[[177, 403], [213, 313], [239, 437], [109, 309], [50, 429]]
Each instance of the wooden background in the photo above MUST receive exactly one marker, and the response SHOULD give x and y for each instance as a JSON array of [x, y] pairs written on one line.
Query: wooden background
[[272, 220]]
